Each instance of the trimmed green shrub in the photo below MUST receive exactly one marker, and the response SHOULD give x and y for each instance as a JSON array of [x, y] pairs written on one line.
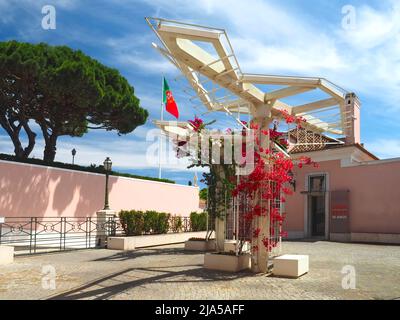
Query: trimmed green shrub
[[176, 223], [198, 221], [150, 221], [132, 222], [162, 223], [135, 223]]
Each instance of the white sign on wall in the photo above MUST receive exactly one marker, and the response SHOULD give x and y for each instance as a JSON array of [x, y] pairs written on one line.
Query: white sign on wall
[[2, 219]]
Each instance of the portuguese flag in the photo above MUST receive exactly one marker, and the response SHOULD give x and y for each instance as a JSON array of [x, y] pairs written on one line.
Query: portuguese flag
[[168, 100]]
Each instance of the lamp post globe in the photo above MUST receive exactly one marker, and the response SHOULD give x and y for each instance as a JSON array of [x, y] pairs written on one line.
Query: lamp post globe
[[73, 152], [107, 164], [107, 167]]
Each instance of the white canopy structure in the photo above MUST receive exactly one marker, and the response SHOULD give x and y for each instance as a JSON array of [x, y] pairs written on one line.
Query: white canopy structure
[[206, 59]]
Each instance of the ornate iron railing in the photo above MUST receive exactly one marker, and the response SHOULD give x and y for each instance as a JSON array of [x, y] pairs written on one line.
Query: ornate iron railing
[[30, 235]]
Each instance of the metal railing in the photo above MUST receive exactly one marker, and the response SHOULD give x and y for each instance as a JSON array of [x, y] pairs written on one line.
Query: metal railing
[[37, 235], [31, 235]]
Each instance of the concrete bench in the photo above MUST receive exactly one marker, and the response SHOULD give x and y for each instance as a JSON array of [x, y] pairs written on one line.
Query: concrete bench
[[227, 262], [6, 255], [290, 265], [200, 245]]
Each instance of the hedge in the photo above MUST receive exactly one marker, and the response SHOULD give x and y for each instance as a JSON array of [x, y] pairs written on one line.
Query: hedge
[[135, 222], [198, 221], [92, 168]]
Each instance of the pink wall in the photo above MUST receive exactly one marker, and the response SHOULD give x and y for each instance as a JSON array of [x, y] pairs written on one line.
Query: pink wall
[[374, 195], [29, 190]]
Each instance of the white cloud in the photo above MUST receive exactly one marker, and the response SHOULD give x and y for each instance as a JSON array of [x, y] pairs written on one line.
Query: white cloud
[[150, 65], [125, 151], [373, 28], [124, 154], [385, 148], [274, 38]]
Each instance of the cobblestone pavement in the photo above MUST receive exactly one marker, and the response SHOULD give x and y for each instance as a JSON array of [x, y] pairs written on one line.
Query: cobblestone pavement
[[169, 272]]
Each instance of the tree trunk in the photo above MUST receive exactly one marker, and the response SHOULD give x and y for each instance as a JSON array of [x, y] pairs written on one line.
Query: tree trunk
[[13, 132], [220, 232], [31, 140], [50, 149], [18, 150], [260, 258]]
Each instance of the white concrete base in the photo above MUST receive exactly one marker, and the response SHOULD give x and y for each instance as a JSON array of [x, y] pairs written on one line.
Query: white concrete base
[[227, 262], [290, 265], [103, 217], [230, 246], [197, 245], [133, 242], [6, 255], [121, 243]]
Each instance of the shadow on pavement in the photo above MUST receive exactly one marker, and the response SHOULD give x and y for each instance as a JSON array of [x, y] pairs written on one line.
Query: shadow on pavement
[[107, 287], [149, 251]]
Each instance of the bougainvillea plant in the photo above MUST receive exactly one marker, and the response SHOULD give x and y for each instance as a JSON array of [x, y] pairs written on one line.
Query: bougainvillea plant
[[269, 184], [259, 193]]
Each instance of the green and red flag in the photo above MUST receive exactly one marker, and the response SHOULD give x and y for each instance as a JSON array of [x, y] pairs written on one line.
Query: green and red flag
[[169, 101]]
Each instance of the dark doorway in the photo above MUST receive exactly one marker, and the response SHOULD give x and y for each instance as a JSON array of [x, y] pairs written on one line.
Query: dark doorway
[[316, 205], [317, 213]]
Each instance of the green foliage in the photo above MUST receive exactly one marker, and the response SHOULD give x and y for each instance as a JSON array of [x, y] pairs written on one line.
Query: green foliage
[[63, 90], [203, 194], [136, 222], [176, 223], [150, 221], [162, 223], [220, 187], [92, 168], [132, 222], [198, 221]]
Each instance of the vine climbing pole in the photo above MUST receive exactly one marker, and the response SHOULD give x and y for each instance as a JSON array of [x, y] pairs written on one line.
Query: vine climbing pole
[[259, 258], [220, 225]]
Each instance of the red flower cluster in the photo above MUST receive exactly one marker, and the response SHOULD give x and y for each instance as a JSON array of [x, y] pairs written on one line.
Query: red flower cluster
[[197, 124], [292, 119], [267, 184], [303, 160], [274, 135]]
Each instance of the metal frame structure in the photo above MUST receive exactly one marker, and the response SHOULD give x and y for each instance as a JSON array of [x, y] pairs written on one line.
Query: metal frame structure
[[217, 80], [207, 60]]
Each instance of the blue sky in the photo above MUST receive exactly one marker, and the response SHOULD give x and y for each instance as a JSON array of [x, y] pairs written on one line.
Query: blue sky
[[285, 37]]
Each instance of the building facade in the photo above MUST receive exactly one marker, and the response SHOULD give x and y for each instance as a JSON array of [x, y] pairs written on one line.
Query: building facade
[[350, 196]]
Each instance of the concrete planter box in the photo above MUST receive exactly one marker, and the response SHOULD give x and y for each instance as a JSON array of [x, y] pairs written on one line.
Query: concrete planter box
[[133, 242], [227, 262], [230, 246], [121, 243], [290, 265], [6, 255], [198, 245]]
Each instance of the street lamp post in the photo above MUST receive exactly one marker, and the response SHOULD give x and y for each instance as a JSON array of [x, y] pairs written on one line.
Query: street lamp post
[[73, 152], [107, 167]]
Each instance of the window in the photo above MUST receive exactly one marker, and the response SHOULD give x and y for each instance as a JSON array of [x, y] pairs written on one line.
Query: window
[[316, 183]]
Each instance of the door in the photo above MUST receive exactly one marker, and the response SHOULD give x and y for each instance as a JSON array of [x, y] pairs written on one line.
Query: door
[[317, 215], [316, 205]]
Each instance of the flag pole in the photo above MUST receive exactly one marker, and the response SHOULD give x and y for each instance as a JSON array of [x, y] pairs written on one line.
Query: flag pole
[[161, 118]]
